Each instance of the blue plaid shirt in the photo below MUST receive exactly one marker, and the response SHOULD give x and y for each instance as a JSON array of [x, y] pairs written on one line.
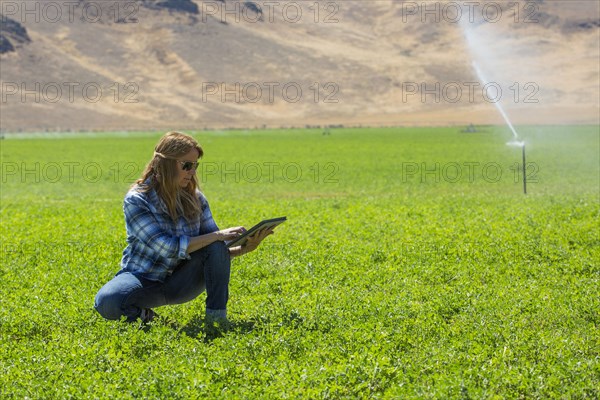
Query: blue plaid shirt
[[155, 244]]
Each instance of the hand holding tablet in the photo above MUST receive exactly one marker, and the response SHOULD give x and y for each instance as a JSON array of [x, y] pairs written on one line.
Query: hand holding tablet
[[267, 223]]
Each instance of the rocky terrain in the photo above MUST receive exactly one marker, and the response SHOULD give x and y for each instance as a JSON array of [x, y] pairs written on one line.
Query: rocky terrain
[[12, 35]]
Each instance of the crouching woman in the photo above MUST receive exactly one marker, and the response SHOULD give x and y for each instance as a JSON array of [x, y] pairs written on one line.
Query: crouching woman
[[175, 251]]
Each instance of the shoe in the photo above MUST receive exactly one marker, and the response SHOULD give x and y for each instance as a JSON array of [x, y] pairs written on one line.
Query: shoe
[[216, 315], [147, 315], [216, 322]]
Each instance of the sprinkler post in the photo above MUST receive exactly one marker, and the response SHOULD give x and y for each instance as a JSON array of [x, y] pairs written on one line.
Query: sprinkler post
[[524, 171]]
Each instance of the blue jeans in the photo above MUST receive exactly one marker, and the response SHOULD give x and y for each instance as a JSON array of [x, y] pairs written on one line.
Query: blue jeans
[[208, 269]]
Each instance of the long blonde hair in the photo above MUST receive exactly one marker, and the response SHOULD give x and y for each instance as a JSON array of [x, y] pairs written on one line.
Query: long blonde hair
[[162, 171]]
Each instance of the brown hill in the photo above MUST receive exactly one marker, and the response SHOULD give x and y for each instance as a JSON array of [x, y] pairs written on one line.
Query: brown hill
[[191, 64]]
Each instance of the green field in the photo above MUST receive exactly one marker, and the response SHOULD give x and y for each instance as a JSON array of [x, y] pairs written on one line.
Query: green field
[[411, 266]]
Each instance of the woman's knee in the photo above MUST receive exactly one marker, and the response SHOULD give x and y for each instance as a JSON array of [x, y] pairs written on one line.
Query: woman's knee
[[108, 302], [112, 301], [219, 252]]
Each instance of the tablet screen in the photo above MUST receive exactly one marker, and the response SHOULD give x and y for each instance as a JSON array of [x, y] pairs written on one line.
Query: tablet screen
[[267, 223]]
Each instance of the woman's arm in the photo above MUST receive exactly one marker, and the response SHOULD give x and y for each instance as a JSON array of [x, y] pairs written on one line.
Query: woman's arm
[[198, 242]]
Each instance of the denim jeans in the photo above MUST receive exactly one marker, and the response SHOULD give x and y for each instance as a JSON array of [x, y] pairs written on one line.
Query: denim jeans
[[208, 269]]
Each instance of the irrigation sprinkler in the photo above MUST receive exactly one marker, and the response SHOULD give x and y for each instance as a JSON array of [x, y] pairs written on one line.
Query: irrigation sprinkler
[[521, 144], [474, 44], [524, 170]]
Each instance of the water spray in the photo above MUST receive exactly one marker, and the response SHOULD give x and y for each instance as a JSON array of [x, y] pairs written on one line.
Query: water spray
[[516, 141], [479, 48], [496, 103]]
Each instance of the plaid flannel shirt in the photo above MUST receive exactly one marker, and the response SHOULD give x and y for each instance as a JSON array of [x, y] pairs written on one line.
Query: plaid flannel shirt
[[155, 244]]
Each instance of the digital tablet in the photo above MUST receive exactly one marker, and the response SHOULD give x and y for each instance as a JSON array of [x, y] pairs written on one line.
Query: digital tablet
[[267, 223]]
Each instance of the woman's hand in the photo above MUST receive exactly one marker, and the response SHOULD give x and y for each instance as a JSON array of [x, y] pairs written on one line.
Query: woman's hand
[[230, 233], [254, 240], [198, 242]]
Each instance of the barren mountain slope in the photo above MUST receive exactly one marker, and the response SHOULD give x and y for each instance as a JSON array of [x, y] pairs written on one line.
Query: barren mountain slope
[[158, 64]]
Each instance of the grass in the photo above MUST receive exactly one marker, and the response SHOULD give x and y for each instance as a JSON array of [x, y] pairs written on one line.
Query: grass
[[411, 266]]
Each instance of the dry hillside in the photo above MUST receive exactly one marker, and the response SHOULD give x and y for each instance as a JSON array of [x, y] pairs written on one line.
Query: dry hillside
[[190, 64]]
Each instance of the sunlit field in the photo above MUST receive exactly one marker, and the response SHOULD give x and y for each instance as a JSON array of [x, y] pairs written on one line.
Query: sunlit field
[[412, 265]]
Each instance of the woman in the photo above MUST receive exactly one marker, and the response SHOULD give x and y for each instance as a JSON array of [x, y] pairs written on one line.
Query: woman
[[174, 250]]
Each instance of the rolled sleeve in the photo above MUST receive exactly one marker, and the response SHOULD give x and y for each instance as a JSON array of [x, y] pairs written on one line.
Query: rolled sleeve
[[184, 242]]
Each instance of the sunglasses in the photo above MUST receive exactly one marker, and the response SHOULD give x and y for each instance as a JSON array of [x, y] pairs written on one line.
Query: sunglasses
[[188, 165]]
